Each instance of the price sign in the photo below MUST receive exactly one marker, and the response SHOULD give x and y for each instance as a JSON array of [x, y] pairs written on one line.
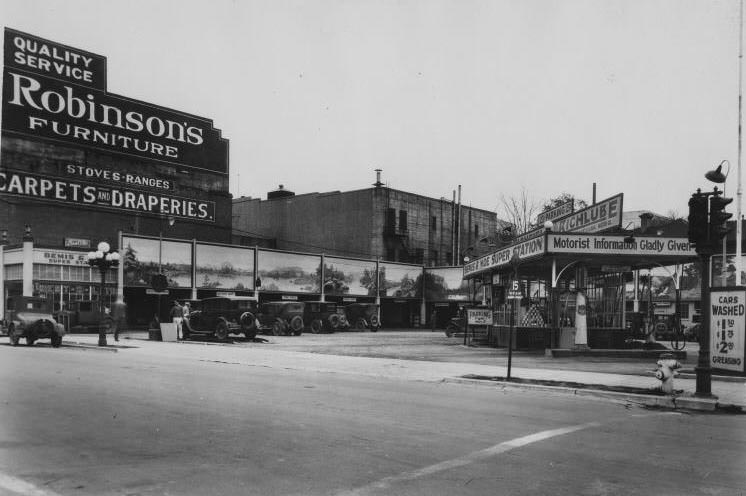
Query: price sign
[[479, 316], [727, 325]]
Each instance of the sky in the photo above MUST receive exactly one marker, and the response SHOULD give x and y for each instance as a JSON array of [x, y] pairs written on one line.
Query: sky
[[499, 96]]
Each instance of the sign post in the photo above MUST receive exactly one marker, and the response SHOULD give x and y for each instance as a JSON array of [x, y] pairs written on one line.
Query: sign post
[[515, 292]]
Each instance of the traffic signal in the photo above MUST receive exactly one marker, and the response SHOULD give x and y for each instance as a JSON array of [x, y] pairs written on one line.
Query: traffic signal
[[718, 217], [698, 219]]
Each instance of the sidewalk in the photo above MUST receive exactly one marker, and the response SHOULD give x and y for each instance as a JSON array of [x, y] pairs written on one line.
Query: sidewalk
[[730, 392]]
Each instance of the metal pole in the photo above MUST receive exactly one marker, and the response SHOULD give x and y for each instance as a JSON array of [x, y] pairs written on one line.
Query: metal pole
[[510, 336], [101, 329], [703, 370], [739, 191]]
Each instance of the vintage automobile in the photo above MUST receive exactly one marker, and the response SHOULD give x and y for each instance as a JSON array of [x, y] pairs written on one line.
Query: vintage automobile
[[281, 318], [321, 316], [31, 317], [363, 316], [82, 316], [221, 316]]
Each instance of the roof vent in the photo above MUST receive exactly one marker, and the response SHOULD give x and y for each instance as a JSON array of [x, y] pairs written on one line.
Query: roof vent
[[280, 192]]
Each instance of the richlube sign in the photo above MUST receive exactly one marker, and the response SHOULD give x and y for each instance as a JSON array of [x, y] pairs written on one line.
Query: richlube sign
[[58, 93]]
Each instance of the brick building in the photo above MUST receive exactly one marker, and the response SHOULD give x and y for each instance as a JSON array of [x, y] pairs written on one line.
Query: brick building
[[377, 222]]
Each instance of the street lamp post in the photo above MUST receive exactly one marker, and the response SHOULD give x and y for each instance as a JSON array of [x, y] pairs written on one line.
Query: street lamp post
[[104, 258]]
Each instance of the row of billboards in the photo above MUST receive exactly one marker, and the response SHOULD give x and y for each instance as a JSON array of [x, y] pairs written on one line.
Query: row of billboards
[[230, 268]]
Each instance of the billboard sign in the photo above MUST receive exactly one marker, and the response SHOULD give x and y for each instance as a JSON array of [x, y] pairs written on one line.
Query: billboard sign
[[55, 60], [595, 218], [58, 93], [616, 245], [727, 319], [556, 212], [38, 187]]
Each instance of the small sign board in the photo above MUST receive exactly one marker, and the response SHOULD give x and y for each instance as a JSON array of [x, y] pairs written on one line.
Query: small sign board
[[616, 268], [77, 243], [727, 319], [555, 213], [347, 300], [479, 316], [225, 293], [515, 291], [289, 298], [152, 291]]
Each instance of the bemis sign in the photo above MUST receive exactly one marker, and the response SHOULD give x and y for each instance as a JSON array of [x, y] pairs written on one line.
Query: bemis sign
[[59, 93]]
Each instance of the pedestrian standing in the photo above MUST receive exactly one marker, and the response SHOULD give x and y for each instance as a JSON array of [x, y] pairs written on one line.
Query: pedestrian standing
[[177, 316], [119, 315]]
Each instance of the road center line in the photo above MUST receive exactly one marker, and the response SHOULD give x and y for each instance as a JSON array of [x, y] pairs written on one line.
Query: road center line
[[497, 449], [22, 487]]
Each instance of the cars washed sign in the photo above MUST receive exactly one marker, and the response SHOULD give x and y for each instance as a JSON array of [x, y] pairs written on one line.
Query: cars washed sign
[[58, 93], [501, 258]]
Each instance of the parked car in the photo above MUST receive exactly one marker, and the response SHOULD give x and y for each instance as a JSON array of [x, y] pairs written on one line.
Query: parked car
[[221, 316], [82, 316], [363, 316], [31, 317], [281, 318], [321, 316]]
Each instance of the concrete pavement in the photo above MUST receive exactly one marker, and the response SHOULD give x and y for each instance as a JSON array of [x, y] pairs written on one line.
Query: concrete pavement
[[729, 392]]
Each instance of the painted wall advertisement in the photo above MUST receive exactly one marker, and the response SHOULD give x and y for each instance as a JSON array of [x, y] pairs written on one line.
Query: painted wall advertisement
[[727, 329], [55, 96]]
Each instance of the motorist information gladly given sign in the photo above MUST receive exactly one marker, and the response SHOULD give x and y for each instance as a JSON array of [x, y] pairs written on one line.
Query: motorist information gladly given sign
[[479, 316], [727, 319]]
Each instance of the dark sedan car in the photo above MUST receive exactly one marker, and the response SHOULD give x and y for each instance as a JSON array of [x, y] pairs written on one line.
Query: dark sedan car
[[30, 317], [221, 316]]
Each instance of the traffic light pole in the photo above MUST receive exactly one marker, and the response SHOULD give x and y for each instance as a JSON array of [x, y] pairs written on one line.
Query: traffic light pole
[[703, 370]]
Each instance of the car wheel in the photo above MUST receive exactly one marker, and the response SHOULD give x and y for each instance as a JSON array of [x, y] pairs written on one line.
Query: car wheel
[[221, 331], [450, 329], [374, 323], [30, 340], [56, 341], [317, 326], [296, 325], [250, 334], [360, 324], [14, 338], [278, 328], [247, 321]]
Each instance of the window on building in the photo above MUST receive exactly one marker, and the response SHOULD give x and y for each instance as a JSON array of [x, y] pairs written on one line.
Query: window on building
[[434, 223], [403, 220], [391, 254], [391, 218], [476, 231], [433, 258], [449, 258]]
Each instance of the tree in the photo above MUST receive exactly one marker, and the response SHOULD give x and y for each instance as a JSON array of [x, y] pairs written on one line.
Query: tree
[[519, 211], [562, 199]]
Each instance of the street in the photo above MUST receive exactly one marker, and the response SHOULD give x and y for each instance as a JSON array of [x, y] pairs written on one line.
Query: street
[[197, 419]]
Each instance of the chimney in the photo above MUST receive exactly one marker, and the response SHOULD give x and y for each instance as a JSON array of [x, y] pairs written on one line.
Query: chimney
[[645, 219], [378, 182]]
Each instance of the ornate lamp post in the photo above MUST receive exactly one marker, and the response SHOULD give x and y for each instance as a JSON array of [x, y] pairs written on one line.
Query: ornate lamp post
[[103, 258]]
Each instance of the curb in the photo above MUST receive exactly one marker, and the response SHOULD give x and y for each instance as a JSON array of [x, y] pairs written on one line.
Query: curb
[[669, 402], [87, 346]]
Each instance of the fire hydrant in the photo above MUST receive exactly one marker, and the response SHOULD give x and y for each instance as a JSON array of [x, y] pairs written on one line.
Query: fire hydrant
[[666, 371]]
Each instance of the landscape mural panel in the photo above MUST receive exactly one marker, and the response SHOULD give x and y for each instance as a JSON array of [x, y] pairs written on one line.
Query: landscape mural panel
[[400, 281], [343, 276], [141, 261], [446, 283], [289, 272], [225, 267]]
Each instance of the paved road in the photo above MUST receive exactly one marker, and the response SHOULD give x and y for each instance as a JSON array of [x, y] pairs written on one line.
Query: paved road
[[168, 418]]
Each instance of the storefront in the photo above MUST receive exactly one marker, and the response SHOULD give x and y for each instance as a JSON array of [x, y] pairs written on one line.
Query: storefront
[[566, 290]]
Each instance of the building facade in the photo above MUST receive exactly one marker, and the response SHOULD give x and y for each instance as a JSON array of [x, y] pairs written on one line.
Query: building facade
[[79, 165], [378, 222]]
